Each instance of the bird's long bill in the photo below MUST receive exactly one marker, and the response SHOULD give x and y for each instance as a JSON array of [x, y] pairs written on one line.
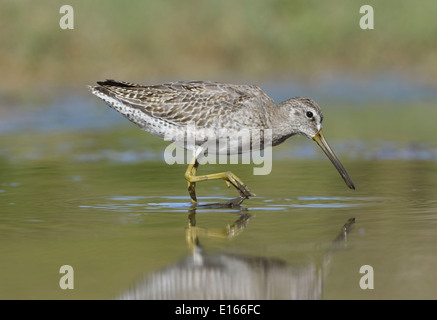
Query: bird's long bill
[[320, 139]]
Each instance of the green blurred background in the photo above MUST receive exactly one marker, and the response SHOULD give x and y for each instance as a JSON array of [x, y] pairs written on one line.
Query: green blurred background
[[223, 40]]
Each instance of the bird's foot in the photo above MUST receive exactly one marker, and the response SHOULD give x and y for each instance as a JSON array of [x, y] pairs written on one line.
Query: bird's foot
[[232, 179], [245, 192]]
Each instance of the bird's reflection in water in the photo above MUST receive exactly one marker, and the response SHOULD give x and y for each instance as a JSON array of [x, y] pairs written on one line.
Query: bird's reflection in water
[[230, 231], [231, 276]]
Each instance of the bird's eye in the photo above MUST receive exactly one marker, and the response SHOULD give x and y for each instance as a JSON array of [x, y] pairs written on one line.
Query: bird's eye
[[309, 114]]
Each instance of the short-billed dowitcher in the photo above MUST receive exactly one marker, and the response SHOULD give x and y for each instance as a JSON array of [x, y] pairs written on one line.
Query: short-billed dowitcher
[[211, 106]]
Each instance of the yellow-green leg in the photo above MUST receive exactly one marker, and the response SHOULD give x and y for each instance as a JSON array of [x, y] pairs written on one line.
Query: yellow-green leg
[[228, 176], [191, 172]]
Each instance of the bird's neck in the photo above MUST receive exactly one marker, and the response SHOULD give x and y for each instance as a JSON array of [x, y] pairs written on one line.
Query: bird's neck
[[283, 126]]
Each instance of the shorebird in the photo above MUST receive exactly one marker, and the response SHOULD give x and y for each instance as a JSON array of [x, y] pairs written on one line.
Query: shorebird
[[168, 109]]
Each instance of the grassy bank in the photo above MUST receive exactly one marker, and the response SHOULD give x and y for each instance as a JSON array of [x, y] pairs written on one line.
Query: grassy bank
[[159, 40]]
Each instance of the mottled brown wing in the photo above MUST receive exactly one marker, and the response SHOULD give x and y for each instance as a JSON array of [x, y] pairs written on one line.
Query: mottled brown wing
[[205, 104]]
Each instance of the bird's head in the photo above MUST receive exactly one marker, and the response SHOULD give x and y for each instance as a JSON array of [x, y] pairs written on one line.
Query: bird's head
[[306, 119], [305, 116]]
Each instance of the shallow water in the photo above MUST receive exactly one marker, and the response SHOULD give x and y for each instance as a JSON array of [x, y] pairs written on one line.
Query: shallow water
[[119, 215], [81, 186]]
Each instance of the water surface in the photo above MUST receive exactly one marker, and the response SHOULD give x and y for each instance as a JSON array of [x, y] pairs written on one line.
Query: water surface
[[102, 200], [118, 222]]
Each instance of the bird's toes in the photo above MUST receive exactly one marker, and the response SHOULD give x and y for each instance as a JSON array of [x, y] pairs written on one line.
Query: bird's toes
[[244, 191]]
